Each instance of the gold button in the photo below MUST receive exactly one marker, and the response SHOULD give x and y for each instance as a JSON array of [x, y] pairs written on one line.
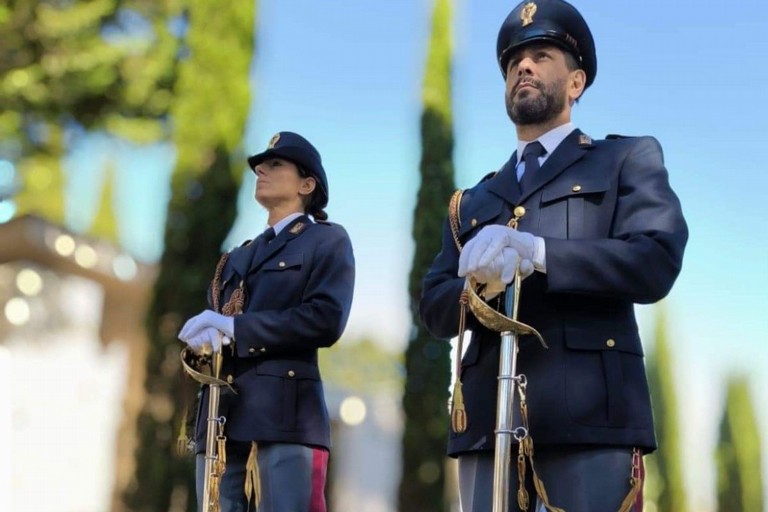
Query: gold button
[[576, 188], [230, 379], [281, 264], [610, 343], [473, 222], [519, 211], [291, 373], [251, 350]]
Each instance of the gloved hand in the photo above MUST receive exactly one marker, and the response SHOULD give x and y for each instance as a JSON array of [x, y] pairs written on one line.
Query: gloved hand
[[502, 268], [208, 340], [501, 271], [208, 318], [491, 240]]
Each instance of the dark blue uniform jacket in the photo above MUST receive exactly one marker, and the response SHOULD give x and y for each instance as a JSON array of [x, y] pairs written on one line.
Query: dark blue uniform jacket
[[615, 236], [298, 296]]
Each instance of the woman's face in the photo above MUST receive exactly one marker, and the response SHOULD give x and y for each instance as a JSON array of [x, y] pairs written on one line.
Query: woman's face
[[278, 184]]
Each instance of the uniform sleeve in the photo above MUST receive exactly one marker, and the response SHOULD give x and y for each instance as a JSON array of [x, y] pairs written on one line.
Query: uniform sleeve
[[321, 317], [642, 259], [439, 305]]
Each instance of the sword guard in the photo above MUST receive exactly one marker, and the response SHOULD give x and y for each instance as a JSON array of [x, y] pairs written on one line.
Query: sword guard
[[495, 320]]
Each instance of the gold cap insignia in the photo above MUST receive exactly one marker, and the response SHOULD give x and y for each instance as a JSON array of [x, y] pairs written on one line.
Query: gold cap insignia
[[526, 15], [273, 141]]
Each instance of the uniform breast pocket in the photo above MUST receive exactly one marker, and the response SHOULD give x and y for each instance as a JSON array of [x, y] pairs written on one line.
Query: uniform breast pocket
[[576, 209], [285, 262]]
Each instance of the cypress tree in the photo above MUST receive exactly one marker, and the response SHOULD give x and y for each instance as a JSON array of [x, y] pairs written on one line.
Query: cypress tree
[[209, 115], [738, 452], [667, 461], [426, 359]]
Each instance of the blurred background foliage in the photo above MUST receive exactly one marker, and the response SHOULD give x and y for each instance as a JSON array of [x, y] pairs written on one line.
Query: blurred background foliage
[[738, 453], [425, 396], [69, 67], [141, 71]]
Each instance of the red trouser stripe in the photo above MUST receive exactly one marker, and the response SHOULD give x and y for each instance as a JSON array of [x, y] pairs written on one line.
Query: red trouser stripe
[[319, 471]]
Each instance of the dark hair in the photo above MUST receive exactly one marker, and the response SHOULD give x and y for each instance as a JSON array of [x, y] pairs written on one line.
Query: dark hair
[[572, 64], [312, 205], [570, 61]]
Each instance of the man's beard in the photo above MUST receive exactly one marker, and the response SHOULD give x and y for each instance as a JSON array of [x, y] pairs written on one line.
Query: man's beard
[[537, 109]]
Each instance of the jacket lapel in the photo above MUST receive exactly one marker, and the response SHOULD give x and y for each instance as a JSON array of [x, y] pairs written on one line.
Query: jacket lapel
[[505, 184], [573, 147], [291, 231], [240, 258]]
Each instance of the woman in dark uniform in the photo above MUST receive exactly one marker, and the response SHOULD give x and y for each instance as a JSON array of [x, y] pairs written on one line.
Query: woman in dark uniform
[[284, 295]]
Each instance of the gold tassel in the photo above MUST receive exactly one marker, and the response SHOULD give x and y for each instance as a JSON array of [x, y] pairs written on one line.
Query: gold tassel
[[636, 482], [458, 414], [252, 478], [182, 441]]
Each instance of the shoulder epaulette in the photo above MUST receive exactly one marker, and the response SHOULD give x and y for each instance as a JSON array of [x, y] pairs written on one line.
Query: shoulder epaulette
[[617, 136], [247, 242], [489, 176]]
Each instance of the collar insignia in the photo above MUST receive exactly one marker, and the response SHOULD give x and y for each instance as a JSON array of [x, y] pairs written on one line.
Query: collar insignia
[[585, 140], [526, 15], [297, 228], [273, 141]]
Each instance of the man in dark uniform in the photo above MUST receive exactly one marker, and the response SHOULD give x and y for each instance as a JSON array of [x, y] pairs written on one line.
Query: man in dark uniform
[[602, 231]]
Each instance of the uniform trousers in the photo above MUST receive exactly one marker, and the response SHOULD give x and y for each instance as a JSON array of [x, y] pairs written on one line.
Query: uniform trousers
[[292, 478], [577, 479]]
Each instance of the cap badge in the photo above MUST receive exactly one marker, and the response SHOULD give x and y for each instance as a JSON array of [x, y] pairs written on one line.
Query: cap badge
[[526, 15], [273, 141]]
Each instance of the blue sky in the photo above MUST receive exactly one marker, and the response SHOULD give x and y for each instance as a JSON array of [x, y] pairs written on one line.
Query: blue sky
[[347, 75]]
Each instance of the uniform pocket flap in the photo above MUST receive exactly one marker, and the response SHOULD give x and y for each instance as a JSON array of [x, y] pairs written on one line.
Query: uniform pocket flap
[[288, 369], [284, 261], [571, 188], [603, 338], [474, 216]]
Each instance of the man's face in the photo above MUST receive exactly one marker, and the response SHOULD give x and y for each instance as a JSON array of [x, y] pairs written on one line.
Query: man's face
[[538, 81]]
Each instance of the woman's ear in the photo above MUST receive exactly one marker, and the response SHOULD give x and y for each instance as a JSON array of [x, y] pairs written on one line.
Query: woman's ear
[[307, 186]]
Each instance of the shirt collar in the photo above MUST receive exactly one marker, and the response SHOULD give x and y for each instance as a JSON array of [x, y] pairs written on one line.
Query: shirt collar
[[549, 140], [279, 225]]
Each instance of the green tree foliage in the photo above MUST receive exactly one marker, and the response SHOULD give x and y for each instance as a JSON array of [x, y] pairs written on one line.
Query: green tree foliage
[[104, 224], [665, 465], [361, 367], [99, 64], [739, 472], [209, 113], [427, 359]]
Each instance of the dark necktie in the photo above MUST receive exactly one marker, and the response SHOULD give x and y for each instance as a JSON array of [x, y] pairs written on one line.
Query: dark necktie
[[531, 154], [262, 240], [267, 236]]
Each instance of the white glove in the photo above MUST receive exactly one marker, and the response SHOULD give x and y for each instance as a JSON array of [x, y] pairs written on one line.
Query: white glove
[[491, 240], [208, 318], [502, 268], [206, 341], [501, 271]]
